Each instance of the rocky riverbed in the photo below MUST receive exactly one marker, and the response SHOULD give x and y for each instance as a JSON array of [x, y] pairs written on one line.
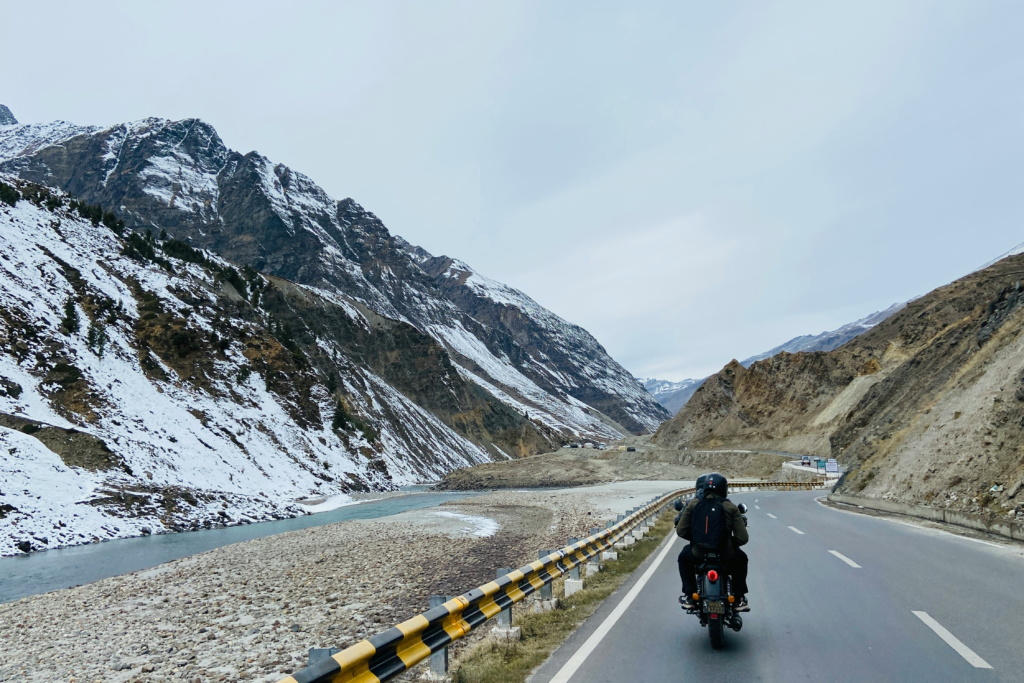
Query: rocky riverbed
[[588, 466], [250, 611]]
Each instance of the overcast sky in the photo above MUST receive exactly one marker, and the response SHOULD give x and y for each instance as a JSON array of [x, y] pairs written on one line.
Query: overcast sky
[[690, 181]]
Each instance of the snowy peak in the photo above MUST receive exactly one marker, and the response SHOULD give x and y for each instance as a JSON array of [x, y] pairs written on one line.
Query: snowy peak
[[672, 395], [179, 177], [6, 117]]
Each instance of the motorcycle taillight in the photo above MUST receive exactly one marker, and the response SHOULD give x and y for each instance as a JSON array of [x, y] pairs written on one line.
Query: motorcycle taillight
[[712, 576]]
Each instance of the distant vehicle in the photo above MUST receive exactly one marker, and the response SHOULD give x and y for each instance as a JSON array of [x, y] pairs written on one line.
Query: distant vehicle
[[630, 449], [805, 461], [588, 445], [574, 445]]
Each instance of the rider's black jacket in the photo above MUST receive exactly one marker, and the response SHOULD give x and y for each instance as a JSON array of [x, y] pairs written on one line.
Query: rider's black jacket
[[736, 528]]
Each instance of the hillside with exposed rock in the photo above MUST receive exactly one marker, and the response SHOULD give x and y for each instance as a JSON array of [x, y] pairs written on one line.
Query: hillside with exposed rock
[[674, 395], [926, 407], [147, 386], [192, 337], [178, 176]]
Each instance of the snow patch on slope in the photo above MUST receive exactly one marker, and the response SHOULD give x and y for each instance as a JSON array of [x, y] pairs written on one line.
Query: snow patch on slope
[[236, 442]]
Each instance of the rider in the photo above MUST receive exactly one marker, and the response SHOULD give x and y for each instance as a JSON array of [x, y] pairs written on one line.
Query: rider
[[734, 534]]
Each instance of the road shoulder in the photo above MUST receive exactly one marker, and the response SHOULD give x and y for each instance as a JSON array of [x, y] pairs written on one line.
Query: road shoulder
[[546, 671]]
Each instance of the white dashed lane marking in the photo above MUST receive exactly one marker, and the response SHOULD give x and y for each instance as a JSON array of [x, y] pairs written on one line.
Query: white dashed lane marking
[[951, 640], [771, 515], [795, 530], [845, 559], [758, 507]]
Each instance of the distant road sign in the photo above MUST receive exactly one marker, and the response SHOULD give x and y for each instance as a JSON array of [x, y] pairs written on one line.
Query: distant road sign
[[831, 466]]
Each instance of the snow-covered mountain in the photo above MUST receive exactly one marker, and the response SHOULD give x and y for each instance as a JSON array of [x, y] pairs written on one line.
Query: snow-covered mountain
[[179, 176], [222, 339], [142, 390], [6, 117], [671, 395]]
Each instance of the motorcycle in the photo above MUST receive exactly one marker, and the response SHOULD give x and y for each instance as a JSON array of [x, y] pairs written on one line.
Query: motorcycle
[[714, 597]]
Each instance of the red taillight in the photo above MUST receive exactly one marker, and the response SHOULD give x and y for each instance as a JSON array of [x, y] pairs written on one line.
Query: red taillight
[[712, 576]]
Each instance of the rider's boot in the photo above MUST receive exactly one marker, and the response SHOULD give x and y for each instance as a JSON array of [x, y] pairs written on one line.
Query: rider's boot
[[741, 605], [687, 602]]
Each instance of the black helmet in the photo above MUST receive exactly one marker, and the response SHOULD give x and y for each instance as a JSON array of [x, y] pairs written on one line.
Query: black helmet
[[699, 486], [717, 484]]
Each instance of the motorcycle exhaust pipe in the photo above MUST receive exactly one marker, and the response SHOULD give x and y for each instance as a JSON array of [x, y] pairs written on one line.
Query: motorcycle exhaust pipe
[[736, 623]]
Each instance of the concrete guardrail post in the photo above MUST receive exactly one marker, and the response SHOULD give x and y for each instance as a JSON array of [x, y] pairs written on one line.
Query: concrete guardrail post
[[504, 618]]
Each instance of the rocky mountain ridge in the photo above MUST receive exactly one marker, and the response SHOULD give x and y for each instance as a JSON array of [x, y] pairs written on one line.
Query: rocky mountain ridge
[[674, 395], [148, 386], [149, 383], [829, 339], [179, 176], [924, 408]]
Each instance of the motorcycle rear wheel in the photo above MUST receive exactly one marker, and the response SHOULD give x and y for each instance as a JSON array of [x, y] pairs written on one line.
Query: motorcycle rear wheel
[[716, 633]]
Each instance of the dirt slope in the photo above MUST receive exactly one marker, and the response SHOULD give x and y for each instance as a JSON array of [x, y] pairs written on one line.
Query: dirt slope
[[928, 407]]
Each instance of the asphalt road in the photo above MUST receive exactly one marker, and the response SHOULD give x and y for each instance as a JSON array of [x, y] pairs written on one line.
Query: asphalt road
[[815, 617]]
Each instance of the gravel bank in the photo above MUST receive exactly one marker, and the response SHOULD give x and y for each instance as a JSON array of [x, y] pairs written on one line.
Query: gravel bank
[[250, 611], [569, 467]]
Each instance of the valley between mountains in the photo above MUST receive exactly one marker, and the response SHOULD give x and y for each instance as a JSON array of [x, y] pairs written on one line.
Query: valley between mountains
[[193, 337]]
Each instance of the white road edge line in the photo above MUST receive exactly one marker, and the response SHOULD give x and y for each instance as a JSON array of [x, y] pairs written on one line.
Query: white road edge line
[[793, 528], [926, 529], [771, 515], [580, 656], [845, 559], [951, 640]]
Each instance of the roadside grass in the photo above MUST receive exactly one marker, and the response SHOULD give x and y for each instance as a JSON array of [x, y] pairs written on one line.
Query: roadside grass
[[489, 661]]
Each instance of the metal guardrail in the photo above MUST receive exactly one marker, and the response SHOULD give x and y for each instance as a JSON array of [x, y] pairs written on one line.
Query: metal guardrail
[[395, 651]]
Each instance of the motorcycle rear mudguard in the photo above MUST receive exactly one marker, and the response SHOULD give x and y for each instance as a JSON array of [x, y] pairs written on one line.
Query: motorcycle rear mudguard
[[714, 590]]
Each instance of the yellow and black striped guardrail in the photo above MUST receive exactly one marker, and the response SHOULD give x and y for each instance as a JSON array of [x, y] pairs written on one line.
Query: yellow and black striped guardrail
[[395, 651]]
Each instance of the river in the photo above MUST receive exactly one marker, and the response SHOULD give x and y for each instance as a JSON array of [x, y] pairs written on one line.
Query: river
[[34, 573]]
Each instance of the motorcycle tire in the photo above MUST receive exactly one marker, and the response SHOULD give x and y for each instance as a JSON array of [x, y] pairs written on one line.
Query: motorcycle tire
[[716, 632]]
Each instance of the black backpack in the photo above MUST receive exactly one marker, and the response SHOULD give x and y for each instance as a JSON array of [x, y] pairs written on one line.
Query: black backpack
[[708, 524]]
